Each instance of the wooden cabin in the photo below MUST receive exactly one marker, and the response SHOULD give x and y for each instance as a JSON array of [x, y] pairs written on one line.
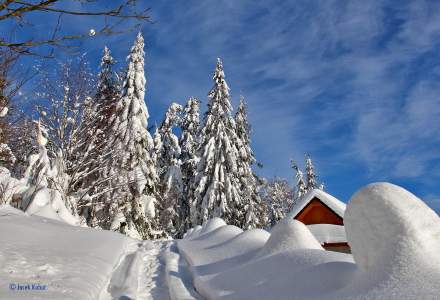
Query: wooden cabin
[[324, 216]]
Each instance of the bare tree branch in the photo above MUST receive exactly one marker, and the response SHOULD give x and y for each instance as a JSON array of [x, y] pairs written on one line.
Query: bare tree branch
[[17, 9]]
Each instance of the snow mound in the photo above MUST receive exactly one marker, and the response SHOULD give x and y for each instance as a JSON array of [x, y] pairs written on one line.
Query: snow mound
[[49, 204], [289, 234], [7, 210], [211, 225], [194, 232], [217, 236], [194, 249], [73, 262], [395, 240], [292, 274], [246, 242], [394, 236], [188, 233]]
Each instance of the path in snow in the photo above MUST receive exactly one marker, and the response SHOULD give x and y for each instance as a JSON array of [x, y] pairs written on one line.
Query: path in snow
[[154, 270], [140, 274]]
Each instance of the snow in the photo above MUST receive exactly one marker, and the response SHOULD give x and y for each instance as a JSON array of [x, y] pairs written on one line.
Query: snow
[[289, 235], [76, 262], [227, 263], [178, 278], [211, 225], [9, 186], [328, 233], [394, 236], [4, 112], [48, 203], [395, 241], [149, 204], [334, 204], [73, 262]]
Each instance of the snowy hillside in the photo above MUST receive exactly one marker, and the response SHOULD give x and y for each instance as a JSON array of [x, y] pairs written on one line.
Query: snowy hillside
[[67, 262]]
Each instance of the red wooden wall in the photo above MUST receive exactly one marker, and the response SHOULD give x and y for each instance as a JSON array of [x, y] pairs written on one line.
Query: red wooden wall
[[317, 212]]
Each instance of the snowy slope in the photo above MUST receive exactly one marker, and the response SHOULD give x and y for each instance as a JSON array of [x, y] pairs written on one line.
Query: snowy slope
[[394, 236], [75, 262]]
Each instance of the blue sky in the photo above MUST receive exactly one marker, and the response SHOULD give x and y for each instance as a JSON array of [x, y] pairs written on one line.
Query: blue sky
[[354, 83]]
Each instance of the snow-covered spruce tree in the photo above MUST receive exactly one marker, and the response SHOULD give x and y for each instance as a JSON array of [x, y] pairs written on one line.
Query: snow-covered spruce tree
[[135, 180], [217, 185], [249, 182], [311, 177], [189, 142], [278, 196], [168, 162], [300, 186], [94, 150]]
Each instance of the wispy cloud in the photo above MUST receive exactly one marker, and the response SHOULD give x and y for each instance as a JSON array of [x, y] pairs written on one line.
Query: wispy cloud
[[348, 81]]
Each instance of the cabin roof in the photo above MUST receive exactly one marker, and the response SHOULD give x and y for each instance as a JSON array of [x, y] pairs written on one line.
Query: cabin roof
[[334, 204]]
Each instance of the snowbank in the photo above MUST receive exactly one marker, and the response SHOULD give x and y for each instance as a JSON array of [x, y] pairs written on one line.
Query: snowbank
[[178, 278], [394, 236], [395, 240], [211, 225], [73, 262]]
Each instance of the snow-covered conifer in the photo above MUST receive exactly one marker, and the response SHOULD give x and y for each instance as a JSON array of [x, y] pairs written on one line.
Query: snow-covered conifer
[[189, 143], [278, 196], [248, 179], [217, 185], [300, 186], [133, 165], [168, 162], [310, 174], [95, 150]]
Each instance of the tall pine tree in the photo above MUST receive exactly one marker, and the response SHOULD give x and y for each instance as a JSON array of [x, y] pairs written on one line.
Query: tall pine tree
[[135, 213], [249, 182], [217, 185], [189, 142], [94, 149], [300, 186], [168, 162], [310, 173]]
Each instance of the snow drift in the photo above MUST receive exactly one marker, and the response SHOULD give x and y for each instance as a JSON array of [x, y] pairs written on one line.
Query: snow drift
[[73, 262], [395, 239], [289, 234], [48, 203]]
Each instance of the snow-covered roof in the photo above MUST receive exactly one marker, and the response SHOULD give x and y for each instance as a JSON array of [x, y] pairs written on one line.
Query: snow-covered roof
[[334, 204], [328, 233]]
